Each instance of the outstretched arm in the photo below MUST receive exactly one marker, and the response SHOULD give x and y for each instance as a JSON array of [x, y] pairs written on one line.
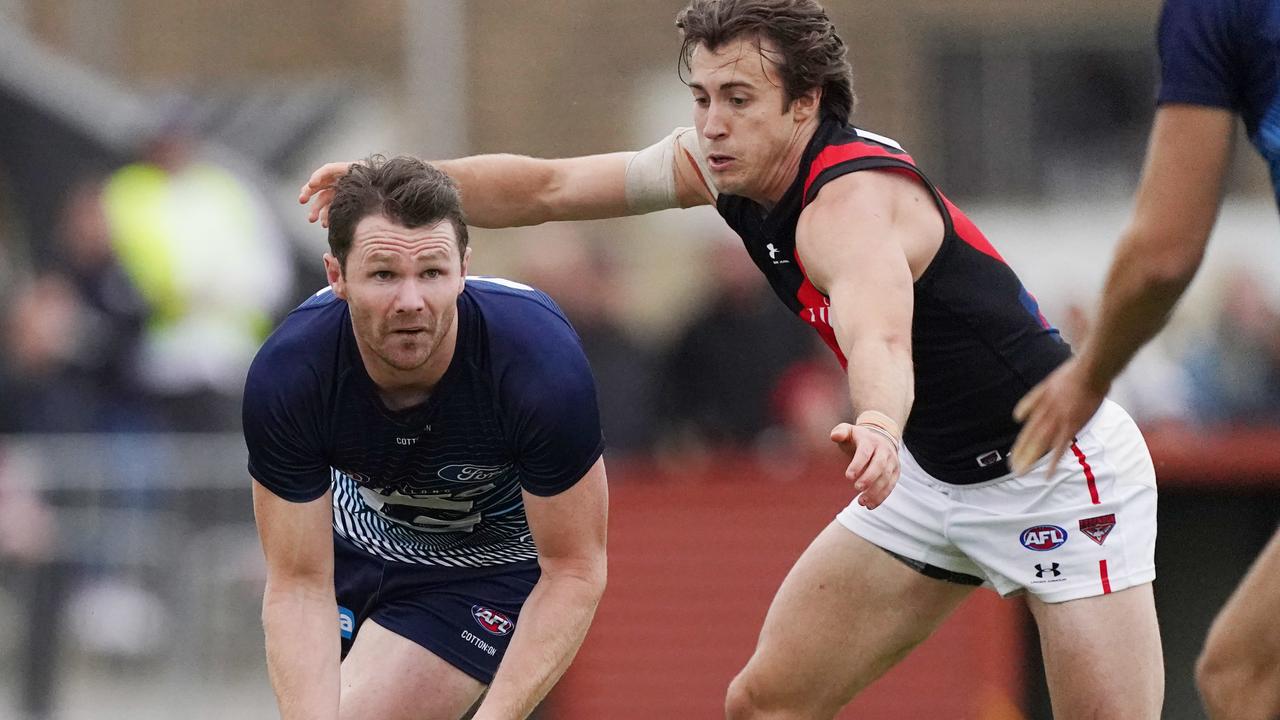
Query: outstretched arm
[[852, 241], [515, 190], [1159, 253], [569, 530], [511, 190]]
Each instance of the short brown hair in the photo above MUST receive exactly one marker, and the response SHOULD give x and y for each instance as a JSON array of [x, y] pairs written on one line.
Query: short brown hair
[[402, 189], [813, 55]]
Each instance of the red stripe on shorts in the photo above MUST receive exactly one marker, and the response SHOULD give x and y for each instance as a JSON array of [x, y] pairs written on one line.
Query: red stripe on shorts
[[1088, 475], [1106, 581]]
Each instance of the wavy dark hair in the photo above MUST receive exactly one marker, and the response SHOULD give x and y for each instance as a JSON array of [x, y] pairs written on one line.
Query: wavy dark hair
[[813, 55], [402, 189]]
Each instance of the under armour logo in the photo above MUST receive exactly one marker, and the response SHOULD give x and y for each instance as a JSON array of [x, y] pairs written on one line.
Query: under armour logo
[[1053, 568], [773, 253]]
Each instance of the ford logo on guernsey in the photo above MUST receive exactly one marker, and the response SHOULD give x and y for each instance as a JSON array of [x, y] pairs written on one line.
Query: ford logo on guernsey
[[1043, 537], [492, 620], [472, 473]]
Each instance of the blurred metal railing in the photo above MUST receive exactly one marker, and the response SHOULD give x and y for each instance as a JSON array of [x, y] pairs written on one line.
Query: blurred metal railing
[[132, 581]]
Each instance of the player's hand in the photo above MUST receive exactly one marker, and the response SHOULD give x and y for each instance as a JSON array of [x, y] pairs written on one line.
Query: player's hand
[[1051, 414], [320, 188], [874, 464]]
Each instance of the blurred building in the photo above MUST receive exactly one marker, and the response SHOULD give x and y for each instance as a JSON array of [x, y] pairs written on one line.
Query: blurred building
[[1059, 89], [1015, 104]]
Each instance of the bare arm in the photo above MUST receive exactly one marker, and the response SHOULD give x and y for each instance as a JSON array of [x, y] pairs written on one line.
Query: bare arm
[[514, 190], [1177, 204], [299, 612], [501, 190], [853, 241], [1159, 253], [569, 530]]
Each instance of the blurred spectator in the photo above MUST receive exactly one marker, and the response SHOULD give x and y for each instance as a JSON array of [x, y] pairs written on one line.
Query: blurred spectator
[[575, 271], [74, 333], [1236, 375], [14, 260], [719, 374], [209, 259], [810, 397]]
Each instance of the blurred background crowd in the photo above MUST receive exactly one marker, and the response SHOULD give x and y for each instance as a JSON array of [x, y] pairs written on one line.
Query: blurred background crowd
[[150, 155]]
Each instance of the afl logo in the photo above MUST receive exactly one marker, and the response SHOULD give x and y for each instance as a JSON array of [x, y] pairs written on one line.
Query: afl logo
[[1043, 537], [492, 620]]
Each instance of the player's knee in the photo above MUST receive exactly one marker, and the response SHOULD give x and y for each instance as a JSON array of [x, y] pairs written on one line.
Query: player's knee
[[749, 698], [1229, 687], [741, 702], [1237, 686]]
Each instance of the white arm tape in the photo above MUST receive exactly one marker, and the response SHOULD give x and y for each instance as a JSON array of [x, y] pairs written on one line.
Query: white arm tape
[[651, 173], [687, 140], [651, 177]]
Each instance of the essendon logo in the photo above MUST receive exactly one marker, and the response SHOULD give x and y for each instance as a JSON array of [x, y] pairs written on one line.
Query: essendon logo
[[1043, 537], [492, 620], [1098, 528]]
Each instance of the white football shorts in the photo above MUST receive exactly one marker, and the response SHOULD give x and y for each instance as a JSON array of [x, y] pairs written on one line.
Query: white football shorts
[[1089, 529]]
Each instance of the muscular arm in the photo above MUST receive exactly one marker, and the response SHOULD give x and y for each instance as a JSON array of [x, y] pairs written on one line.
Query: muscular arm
[[1177, 204], [299, 612], [515, 190], [569, 530], [853, 241], [1158, 255]]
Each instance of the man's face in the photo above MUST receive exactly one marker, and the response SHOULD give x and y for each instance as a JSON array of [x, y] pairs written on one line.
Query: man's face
[[402, 286], [738, 112]]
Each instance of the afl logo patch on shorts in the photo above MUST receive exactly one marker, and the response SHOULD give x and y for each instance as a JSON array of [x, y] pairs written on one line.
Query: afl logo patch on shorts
[[1043, 537], [492, 620]]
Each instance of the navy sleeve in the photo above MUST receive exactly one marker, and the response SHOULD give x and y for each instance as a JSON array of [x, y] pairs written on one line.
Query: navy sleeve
[[1198, 57], [549, 398], [279, 414]]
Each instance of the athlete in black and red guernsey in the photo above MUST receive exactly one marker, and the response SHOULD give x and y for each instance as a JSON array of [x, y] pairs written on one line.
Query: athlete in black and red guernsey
[[937, 337], [978, 336]]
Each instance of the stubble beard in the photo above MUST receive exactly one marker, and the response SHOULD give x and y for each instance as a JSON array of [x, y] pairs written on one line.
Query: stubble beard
[[420, 352]]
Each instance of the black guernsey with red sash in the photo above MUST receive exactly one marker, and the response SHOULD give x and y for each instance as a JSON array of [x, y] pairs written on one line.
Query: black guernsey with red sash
[[979, 341]]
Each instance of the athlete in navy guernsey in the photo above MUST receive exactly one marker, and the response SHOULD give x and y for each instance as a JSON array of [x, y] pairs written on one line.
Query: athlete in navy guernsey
[[1219, 61], [939, 340], [429, 445]]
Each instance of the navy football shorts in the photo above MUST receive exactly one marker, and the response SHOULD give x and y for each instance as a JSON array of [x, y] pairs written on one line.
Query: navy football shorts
[[466, 616]]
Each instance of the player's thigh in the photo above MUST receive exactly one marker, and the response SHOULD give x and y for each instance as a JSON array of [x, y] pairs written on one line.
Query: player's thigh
[[1102, 654], [1241, 658], [845, 614], [388, 677]]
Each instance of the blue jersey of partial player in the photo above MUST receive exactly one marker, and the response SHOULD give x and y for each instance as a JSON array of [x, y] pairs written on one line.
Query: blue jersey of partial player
[[437, 484], [1226, 53]]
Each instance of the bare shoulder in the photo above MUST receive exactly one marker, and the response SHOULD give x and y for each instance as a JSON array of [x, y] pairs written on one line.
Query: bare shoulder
[[889, 190], [877, 206]]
